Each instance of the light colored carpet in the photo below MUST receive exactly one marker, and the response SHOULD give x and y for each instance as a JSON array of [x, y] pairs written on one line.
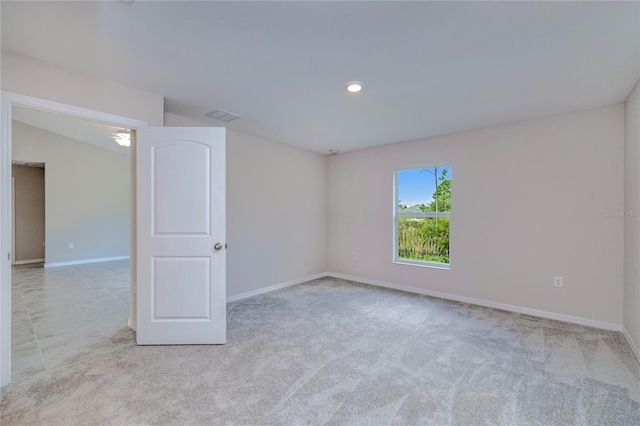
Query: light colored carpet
[[335, 352]]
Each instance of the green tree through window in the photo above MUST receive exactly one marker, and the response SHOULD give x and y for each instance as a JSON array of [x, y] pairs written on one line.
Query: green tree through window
[[422, 215]]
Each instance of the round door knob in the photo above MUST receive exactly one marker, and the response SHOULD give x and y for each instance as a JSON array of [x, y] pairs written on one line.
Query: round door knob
[[218, 246]]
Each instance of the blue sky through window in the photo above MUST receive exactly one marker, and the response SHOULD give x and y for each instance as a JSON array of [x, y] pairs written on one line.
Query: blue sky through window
[[416, 186]]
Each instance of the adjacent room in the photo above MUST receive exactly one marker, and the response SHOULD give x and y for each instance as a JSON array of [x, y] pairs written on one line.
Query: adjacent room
[[70, 280], [329, 213]]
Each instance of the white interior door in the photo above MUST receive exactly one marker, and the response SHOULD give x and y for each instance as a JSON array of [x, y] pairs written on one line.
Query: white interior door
[[181, 260]]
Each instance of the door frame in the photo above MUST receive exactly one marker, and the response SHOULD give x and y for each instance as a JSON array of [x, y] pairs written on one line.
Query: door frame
[[13, 220], [7, 101]]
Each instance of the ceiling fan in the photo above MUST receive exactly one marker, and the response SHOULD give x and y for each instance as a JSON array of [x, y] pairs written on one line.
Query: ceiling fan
[[122, 137]]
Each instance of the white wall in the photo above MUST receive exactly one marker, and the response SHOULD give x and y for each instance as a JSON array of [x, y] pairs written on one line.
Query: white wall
[[276, 211], [632, 221], [32, 77], [529, 202], [87, 194]]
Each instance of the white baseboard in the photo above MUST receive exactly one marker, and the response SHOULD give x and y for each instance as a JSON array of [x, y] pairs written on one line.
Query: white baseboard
[[132, 324], [274, 287], [632, 344], [25, 262], [83, 261], [528, 311]]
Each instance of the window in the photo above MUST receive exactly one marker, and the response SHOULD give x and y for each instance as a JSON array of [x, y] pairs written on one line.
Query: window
[[421, 216]]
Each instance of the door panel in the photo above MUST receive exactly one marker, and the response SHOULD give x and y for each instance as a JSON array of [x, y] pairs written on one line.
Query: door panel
[[177, 166], [180, 219], [180, 288]]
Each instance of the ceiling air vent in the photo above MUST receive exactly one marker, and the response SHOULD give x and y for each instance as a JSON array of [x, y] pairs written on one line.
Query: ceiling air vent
[[223, 115]]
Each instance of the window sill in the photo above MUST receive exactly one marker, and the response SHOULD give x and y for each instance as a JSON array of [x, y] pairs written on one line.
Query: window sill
[[445, 266]]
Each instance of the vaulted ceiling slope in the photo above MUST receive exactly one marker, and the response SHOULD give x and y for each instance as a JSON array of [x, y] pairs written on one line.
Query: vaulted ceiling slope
[[428, 67], [97, 134]]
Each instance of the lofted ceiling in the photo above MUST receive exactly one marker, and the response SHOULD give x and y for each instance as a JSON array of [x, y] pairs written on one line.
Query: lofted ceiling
[[96, 134], [428, 68]]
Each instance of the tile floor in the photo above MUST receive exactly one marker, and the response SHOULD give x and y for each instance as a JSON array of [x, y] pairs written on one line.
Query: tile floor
[[57, 312]]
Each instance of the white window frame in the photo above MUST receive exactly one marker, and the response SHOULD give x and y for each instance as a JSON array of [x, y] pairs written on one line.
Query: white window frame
[[397, 215]]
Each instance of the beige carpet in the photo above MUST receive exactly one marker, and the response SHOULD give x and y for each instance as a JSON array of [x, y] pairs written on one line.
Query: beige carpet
[[334, 352]]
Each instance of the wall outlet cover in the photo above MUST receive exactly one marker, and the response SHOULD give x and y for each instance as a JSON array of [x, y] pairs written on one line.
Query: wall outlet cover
[[557, 281]]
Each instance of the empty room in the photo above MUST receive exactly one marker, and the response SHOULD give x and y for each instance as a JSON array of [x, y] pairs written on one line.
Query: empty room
[[330, 213]]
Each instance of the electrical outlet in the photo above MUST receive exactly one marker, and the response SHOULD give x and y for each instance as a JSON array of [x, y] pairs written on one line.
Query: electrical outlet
[[70, 246], [557, 281], [354, 256]]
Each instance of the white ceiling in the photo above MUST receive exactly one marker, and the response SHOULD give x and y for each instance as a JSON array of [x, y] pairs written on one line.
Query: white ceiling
[[428, 67], [97, 134]]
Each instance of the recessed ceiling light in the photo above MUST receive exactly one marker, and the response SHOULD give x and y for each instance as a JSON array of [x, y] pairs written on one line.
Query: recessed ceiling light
[[333, 151], [354, 86]]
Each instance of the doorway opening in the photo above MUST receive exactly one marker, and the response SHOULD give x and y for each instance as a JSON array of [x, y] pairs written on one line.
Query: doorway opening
[[81, 295], [28, 219], [82, 292]]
